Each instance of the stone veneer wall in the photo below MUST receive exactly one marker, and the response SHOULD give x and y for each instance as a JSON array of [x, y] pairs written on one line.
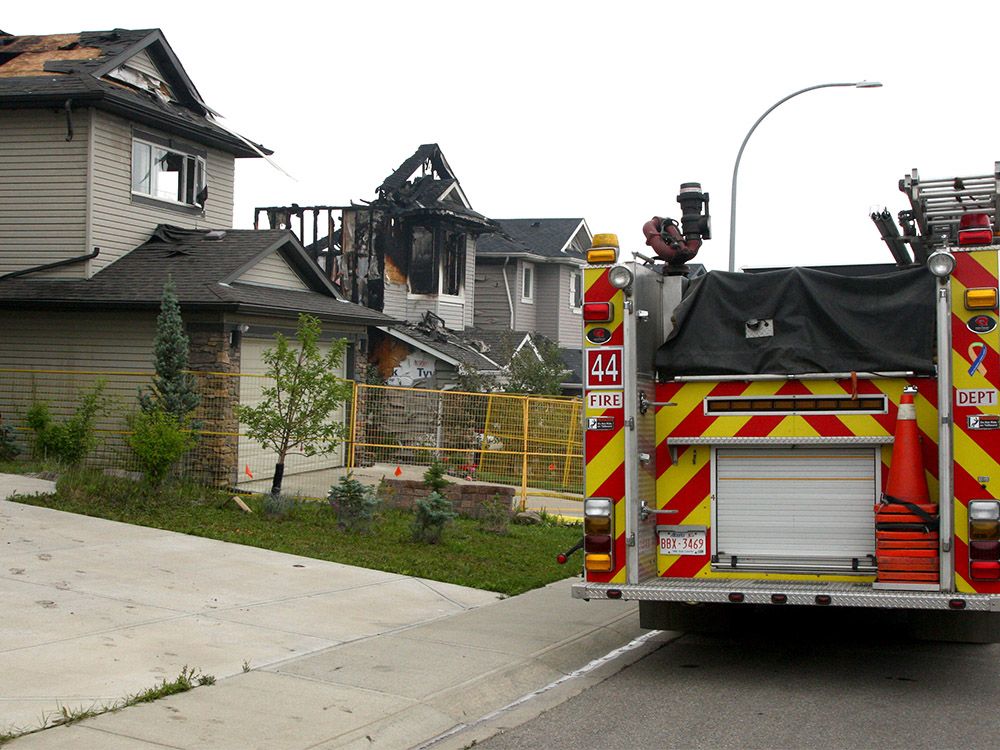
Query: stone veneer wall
[[215, 457], [467, 499]]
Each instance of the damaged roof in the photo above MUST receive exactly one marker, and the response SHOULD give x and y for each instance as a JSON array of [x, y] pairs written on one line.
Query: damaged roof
[[424, 186], [545, 238], [455, 347], [204, 265], [91, 68]]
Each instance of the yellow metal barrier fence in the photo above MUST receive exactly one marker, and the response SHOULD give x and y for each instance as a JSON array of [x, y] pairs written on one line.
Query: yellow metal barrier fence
[[525, 441]]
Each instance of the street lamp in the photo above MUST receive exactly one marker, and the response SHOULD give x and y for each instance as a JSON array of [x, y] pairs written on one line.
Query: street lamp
[[736, 168]]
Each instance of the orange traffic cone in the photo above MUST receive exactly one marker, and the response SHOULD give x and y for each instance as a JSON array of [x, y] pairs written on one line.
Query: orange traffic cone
[[906, 474]]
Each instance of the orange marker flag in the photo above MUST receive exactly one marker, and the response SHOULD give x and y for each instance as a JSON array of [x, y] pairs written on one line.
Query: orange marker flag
[[246, 470], [398, 471]]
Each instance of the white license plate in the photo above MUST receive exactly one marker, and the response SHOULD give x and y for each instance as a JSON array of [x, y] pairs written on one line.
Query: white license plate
[[682, 542]]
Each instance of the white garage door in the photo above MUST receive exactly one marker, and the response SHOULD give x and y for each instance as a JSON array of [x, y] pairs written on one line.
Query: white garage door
[[259, 461], [794, 505]]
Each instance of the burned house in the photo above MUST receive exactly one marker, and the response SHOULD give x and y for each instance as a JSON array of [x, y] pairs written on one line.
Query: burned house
[[411, 254]]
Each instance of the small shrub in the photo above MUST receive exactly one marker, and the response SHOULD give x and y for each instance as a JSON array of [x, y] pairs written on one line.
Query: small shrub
[[158, 440], [69, 441], [494, 516], [434, 477], [355, 504], [433, 513], [9, 449], [279, 506]]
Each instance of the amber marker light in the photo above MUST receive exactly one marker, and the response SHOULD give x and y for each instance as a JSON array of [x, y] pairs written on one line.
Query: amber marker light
[[603, 249], [980, 299]]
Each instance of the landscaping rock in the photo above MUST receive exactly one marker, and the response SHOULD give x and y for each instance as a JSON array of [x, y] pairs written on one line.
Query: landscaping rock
[[528, 518]]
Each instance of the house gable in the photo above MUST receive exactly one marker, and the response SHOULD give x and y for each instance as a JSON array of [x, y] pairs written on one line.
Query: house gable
[[275, 271]]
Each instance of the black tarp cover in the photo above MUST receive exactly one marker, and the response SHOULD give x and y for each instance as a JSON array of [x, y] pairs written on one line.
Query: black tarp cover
[[823, 322]]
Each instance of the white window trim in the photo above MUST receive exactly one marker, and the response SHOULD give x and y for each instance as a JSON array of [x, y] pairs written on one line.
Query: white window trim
[[530, 297], [187, 155]]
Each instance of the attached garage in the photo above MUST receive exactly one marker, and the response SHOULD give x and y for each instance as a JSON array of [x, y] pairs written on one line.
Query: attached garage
[[796, 508], [254, 457]]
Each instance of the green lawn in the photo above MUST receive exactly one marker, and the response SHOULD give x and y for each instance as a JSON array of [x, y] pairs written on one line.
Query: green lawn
[[510, 564]]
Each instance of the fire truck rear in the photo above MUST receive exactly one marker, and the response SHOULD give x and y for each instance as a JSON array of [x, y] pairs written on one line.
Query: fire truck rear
[[811, 437]]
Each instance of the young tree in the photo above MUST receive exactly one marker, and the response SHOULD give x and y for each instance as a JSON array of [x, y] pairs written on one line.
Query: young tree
[[529, 374], [295, 414], [173, 390]]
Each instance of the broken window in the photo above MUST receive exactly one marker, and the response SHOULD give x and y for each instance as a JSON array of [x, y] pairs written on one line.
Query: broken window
[[168, 174], [454, 263], [423, 269]]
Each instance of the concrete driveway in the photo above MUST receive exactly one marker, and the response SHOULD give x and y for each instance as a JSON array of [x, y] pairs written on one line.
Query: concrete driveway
[[338, 656]]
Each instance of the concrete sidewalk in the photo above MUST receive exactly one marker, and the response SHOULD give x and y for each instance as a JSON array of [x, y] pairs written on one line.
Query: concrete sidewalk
[[339, 656]]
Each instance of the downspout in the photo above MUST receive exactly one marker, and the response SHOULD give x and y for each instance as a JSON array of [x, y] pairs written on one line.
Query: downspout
[[506, 286], [49, 266]]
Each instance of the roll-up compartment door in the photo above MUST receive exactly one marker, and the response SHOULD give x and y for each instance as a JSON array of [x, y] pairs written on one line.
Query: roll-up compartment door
[[794, 505]]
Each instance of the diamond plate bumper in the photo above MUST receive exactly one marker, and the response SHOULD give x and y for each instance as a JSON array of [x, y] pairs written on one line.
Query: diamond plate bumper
[[797, 592]]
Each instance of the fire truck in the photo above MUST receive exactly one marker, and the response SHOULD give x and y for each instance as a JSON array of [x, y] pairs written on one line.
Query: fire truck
[[823, 437]]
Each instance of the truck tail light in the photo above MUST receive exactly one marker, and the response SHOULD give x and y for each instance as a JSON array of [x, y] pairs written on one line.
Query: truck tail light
[[597, 312], [984, 570], [984, 540], [974, 229], [598, 534]]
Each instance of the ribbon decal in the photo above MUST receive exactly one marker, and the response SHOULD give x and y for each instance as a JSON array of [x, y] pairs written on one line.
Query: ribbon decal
[[977, 353]]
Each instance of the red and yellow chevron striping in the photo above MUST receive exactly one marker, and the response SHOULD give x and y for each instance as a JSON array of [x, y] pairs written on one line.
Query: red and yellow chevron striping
[[975, 370]]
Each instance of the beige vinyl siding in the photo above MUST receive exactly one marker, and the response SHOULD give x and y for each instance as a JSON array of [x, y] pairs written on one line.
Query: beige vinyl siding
[[43, 190], [274, 271], [492, 308], [51, 340], [119, 225], [142, 61]]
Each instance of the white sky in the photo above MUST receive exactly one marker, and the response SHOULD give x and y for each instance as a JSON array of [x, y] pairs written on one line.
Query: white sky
[[595, 109]]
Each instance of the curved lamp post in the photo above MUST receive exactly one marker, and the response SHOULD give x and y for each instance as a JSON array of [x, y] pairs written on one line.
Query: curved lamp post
[[736, 168]]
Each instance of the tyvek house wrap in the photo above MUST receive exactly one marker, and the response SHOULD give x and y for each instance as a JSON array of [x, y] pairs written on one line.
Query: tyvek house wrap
[[821, 321]]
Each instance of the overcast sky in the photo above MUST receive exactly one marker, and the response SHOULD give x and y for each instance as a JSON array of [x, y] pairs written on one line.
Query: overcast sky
[[595, 109]]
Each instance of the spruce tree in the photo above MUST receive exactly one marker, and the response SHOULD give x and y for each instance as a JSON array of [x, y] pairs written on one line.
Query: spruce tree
[[173, 390]]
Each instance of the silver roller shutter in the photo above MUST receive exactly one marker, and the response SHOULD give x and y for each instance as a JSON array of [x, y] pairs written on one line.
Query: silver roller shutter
[[793, 507]]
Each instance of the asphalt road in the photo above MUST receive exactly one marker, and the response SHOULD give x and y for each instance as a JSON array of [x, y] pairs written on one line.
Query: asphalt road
[[789, 688]]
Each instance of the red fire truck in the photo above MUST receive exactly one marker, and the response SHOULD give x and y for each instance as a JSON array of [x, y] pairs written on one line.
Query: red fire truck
[[812, 437]]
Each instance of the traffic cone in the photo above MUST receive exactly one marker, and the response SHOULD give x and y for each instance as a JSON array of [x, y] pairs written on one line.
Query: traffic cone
[[905, 519], [906, 474]]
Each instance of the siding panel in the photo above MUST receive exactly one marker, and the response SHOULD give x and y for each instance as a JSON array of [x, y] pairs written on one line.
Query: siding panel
[[80, 340], [491, 309], [274, 271], [43, 182]]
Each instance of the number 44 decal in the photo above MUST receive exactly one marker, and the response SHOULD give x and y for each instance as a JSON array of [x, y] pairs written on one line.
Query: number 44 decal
[[604, 367]]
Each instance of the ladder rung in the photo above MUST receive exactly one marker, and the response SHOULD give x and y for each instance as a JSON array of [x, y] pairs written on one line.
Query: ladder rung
[[983, 194], [932, 213]]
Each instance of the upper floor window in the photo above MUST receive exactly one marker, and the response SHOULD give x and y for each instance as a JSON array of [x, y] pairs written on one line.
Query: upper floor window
[[576, 289], [168, 174], [527, 283], [437, 261]]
